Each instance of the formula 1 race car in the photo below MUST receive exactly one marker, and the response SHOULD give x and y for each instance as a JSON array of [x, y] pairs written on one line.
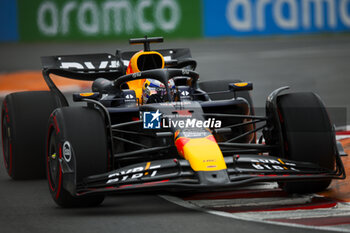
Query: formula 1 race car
[[149, 124]]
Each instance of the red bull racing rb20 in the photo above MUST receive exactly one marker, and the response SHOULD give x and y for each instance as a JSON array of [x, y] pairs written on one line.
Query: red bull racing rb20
[[148, 123]]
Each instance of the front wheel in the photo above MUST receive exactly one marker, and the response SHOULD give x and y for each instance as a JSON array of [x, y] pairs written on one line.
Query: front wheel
[[308, 136], [77, 138]]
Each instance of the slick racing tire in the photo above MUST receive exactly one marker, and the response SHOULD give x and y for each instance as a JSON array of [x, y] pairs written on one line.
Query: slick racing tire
[[24, 125], [308, 136], [77, 139]]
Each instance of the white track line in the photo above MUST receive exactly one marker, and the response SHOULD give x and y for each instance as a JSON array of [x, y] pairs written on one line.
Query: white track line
[[340, 137], [249, 216], [343, 128], [242, 202]]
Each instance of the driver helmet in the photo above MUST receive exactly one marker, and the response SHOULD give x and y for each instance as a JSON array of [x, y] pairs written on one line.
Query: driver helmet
[[154, 91]]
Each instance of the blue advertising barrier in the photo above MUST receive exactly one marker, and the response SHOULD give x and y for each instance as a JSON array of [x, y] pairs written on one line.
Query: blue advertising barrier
[[8, 21], [236, 17], [272, 17]]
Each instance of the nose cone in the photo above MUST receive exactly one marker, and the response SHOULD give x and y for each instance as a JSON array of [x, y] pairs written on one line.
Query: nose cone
[[203, 154]]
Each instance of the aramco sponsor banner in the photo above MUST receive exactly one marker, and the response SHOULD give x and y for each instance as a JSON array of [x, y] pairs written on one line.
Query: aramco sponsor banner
[[67, 20], [108, 19], [273, 17]]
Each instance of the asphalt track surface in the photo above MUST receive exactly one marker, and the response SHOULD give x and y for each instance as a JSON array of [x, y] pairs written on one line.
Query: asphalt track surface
[[26, 206], [319, 64]]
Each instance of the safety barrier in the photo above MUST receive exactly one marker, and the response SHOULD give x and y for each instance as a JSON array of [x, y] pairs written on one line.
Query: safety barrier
[[66, 20]]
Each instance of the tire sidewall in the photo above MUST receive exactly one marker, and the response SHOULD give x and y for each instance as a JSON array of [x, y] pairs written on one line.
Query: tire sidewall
[[59, 128]]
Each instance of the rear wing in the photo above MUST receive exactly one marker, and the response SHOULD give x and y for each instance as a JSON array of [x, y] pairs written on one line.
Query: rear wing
[[89, 67], [103, 65]]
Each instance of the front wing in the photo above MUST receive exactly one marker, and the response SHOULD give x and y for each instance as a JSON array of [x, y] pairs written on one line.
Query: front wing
[[175, 174]]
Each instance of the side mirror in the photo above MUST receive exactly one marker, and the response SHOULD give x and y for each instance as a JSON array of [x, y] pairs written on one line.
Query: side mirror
[[242, 86]]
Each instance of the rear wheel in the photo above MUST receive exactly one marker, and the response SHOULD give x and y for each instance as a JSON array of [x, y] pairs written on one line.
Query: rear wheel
[[82, 132], [24, 126], [308, 136]]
